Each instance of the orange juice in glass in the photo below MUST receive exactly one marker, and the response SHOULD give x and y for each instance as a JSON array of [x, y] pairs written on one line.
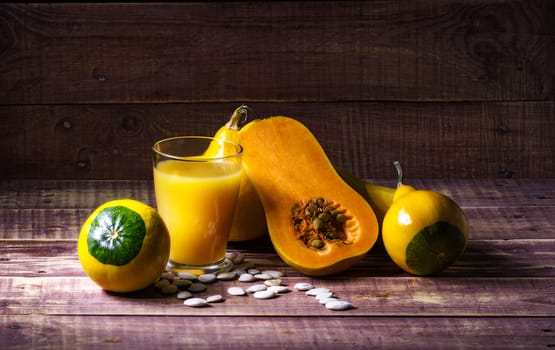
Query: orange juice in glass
[[196, 183]]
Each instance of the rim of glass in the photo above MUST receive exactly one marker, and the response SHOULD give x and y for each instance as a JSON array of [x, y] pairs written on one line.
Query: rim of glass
[[197, 158]]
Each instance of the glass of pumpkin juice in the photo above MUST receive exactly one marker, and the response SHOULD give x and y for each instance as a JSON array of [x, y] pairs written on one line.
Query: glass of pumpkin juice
[[196, 184]]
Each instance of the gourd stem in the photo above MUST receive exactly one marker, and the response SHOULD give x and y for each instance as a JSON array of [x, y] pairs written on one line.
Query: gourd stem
[[239, 116], [399, 169]]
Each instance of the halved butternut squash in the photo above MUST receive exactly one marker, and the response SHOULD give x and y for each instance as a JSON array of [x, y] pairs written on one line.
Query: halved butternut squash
[[317, 223]]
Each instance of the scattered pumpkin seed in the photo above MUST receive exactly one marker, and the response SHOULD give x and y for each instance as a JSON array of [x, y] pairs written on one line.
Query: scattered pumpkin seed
[[162, 283], [263, 276], [197, 287], [256, 288], [323, 295], [238, 291], [315, 291], [229, 267], [239, 271], [339, 305], [274, 273], [185, 284], [184, 294], [327, 300], [187, 276], [207, 278], [238, 258], [264, 294], [303, 286], [230, 255], [195, 302], [279, 289], [227, 276], [182, 283], [167, 275], [247, 277], [169, 289], [217, 298], [273, 282]]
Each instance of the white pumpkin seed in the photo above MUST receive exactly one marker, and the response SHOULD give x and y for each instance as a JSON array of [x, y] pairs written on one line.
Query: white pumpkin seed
[[264, 294], [238, 291], [303, 286], [263, 276], [279, 289], [339, 305], [207, 278], [196, 287], [182, 283], [229, 266], [238, 258], [226, 276], [256, 288], [167, 275], [327, 300], [217, 298], [273, 282], [230, 255], [239, 271], [187, 276], [195, 302], [169, 289], [184, 294], [273, 273], [247, 277], [323, 295], [315, 291], [162, 283]]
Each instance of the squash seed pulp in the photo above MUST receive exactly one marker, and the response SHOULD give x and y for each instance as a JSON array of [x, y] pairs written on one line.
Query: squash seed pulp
[[318, 222]]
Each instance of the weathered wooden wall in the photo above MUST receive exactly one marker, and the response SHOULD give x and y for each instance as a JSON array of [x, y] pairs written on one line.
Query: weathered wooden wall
[[451, 88]]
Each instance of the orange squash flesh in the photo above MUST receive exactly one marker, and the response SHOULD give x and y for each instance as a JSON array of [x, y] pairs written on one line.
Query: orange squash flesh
[[287, 165]]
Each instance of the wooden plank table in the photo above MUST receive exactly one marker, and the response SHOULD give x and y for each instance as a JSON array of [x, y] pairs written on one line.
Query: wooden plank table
[[500, 294]]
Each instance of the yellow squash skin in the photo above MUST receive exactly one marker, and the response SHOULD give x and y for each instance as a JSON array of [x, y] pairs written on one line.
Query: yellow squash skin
[[379, 197], [286, 164], [249, 221], [145, 268], [414, 210]]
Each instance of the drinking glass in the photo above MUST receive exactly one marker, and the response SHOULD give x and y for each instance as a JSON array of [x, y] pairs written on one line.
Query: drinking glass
[[196, 183]]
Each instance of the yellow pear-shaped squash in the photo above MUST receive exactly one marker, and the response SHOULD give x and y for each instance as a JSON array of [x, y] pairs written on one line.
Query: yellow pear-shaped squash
[[249, 221], [423, 232]]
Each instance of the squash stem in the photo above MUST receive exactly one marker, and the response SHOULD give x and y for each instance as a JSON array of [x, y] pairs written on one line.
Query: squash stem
[[238, 117], [399, 169]]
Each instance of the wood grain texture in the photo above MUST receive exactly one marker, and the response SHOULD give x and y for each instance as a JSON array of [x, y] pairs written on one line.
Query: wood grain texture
[[372, 296], [328, 333], [88, 194], [432, 140], [55, 209], [286, 51], [499, 294], [484, 223], [452, 89], [517, 258]]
